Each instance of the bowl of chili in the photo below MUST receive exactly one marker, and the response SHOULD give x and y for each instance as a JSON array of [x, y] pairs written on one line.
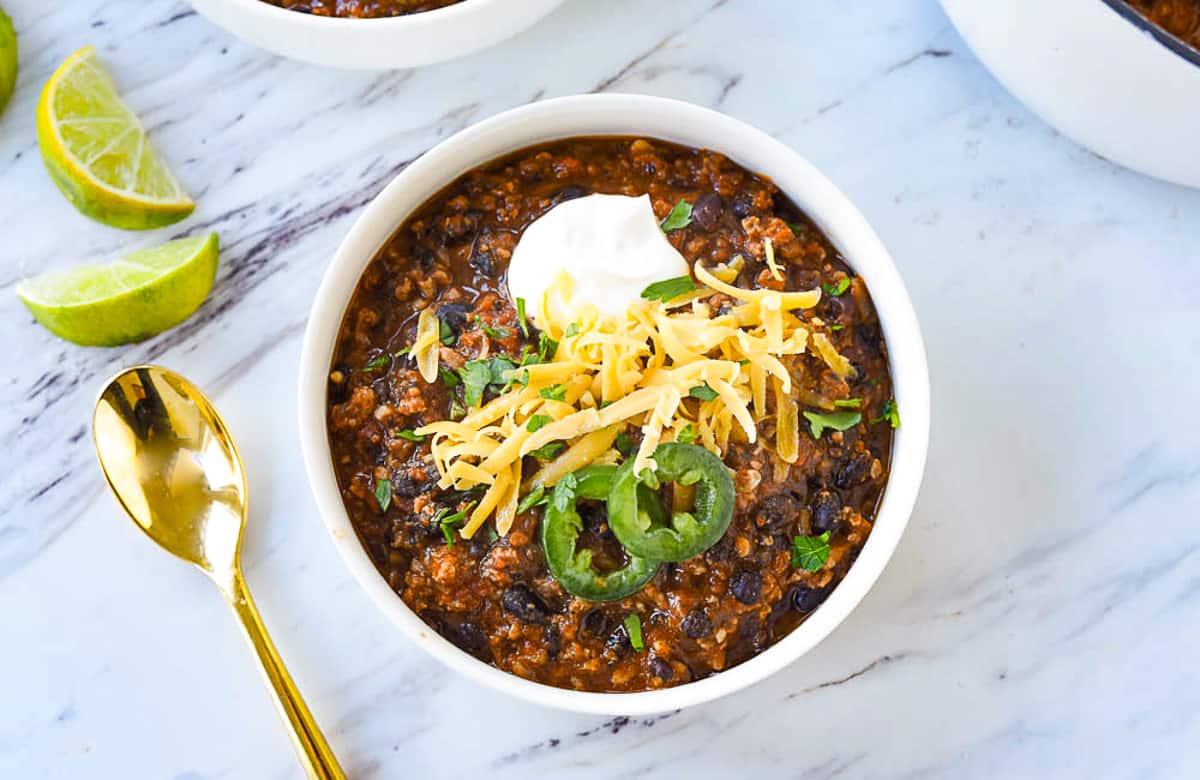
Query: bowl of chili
[[648, 545], [374, 34], [1117, 76]]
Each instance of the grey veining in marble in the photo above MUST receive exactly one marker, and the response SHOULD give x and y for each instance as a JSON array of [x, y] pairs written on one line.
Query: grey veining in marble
[[1040, 619]]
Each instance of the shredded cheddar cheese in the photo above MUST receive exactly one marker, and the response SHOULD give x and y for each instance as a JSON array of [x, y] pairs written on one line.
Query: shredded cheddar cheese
[[660, 368]]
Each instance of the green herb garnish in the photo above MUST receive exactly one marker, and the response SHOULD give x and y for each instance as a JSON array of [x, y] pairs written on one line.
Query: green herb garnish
[[564, 492], [548, 451], [447, 521], [521, 317], [572, 330], [537, 422], [837, 421], [383, 494], [449, 378], [535, 497], [669, 289], [796, 227], [891, 413], [476, 375], [836, 328], [848, 403], [446, 333], [378, 362], [836, 289], [457, 410], [687, 434], [810, 552], [680, 217], [703, 392], [410, 435], [633, 627], [553, 393], [547, 347], [496, 333]]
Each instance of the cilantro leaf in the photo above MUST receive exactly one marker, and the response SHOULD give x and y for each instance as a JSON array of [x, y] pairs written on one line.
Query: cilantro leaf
[[500, 365], [553, 393], [535, 497], [625, 444], [410, 435], [547, 347], [448, 520], [633, 627], [547, 452], [496, 333], [476, 375], [837, 421], [848, 403], [669, 289], [837, 288], [446, 333], [521, 317], [572, 330], [537, 422], [810, 552], [890, 412], [564, 492], [378, 362], [449, 378], [703, 392], [383, 494], [680, 217], [687, 434]]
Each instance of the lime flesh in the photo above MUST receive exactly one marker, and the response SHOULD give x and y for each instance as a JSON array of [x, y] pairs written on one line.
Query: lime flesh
[[8, 59], [132, 299], [98, 153]]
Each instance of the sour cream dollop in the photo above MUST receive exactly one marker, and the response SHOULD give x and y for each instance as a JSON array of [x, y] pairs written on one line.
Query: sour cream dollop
[[611, 245]]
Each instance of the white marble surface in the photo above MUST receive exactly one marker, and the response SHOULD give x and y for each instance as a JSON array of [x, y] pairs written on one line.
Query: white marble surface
[[1041, 617]]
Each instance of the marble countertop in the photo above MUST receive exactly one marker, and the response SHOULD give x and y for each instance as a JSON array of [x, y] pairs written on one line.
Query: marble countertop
[[1040, 618]]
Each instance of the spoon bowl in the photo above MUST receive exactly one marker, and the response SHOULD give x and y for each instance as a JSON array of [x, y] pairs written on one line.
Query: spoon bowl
[[174, 467]]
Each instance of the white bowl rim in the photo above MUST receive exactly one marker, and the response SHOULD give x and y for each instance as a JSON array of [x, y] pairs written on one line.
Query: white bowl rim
[[446, 14], [821, 201], [1161, 36]]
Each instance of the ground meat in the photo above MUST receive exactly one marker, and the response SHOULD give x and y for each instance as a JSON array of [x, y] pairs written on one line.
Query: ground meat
[[494, 597]]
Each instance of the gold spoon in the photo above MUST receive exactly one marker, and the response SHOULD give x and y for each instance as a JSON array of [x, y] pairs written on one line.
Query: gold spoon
[[175, 469]]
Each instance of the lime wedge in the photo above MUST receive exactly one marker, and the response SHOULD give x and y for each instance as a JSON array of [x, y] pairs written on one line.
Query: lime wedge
[[97, 152], [132, 299], [8, 59]]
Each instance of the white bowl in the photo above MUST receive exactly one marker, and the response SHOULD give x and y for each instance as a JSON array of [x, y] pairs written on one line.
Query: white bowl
[[1097, 72], [685, 124], [394, 42]]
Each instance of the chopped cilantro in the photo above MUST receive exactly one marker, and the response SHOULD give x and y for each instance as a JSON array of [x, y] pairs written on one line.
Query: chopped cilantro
[[457, 410], [521, 317], [500, 366], [564, 492], [537, 422], [837, 421], [687, 434], [836, 328], [549, 451], [891, 413], [547, 347], [535, 497], [449, 378], [572, 330], [378, 362], [446, 333], [836, 289], [669, 289], [476, 375], [680, 217], [496, 333], [553, 393], [410, 435], [703, 392], [448, 520], [848, 403], [633, 627], [796, 227], [383, 494], [810, 552]]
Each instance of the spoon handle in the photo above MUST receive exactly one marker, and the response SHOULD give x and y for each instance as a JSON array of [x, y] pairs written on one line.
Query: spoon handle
[[315, 754]]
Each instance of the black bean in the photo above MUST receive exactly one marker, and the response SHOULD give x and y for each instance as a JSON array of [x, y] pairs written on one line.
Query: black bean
[[406, 486], [454, 315], [826, 508], [779, 510], [468, 636], [568, 193], [867, 336], [481, 260], [424, 256], [618, 641], [594, 623], [806, 599], [831, 308], [707, 210], [696, 624], [553, 641], [521, 602], [746, 586], [661, 669], [854, 471], [743, 204]]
